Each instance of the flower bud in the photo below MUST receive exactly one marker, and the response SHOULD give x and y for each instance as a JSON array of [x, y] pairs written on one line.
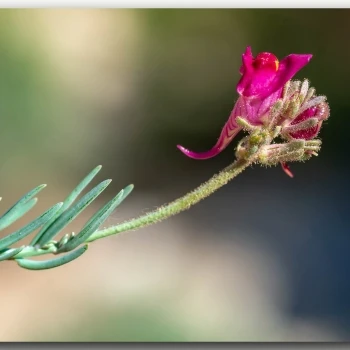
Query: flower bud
[[307, 124]]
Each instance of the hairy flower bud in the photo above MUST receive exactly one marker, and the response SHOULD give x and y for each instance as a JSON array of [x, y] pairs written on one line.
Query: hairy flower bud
[[308, 123]]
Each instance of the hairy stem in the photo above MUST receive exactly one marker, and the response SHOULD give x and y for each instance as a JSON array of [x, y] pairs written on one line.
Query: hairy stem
[[179, 204], [161, 213]]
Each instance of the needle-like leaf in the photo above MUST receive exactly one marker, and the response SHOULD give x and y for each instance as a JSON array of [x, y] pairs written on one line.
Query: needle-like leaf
[[67, 202], [52, 263], [69, 215], [17, 210], [26, 230], [9, 253], [96, 221]]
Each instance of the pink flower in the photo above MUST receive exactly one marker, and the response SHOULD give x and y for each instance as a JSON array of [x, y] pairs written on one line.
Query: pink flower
[[261, 84]]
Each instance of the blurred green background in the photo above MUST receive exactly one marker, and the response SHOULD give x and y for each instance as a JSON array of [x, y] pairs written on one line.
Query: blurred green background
[[264, 259]]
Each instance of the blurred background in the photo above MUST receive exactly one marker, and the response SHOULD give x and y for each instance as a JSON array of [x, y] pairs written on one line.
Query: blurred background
[[266, 258]]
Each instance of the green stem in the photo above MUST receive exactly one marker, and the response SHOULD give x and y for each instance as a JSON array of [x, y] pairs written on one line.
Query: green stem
[[161, 213], [32, 251], [179, 204]]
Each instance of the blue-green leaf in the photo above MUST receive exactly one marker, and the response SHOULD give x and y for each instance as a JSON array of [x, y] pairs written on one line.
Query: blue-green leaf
[[9, 253], [26, 230], [70, 214], [96, 220], [18, 212], [12, 214], [52, 263], [67, 202]]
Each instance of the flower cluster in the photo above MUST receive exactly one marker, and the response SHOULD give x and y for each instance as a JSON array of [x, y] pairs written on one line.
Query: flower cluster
[[273, 105]]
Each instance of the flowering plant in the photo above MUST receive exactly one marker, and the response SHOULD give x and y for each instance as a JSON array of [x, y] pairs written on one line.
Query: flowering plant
[[270, 105], [282, 119]]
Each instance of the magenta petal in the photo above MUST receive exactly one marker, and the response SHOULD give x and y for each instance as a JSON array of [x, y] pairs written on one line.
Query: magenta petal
[[229, 131], [288, 67], [262, 81], [200, 156], [247, 61]]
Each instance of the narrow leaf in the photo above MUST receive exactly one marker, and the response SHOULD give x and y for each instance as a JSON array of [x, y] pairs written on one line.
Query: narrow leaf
[[26, 230], [52, 263], [7, 218], [96, 221], [127, 191], [67, 202], [70, 214], [9, 253], [18, 212]]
